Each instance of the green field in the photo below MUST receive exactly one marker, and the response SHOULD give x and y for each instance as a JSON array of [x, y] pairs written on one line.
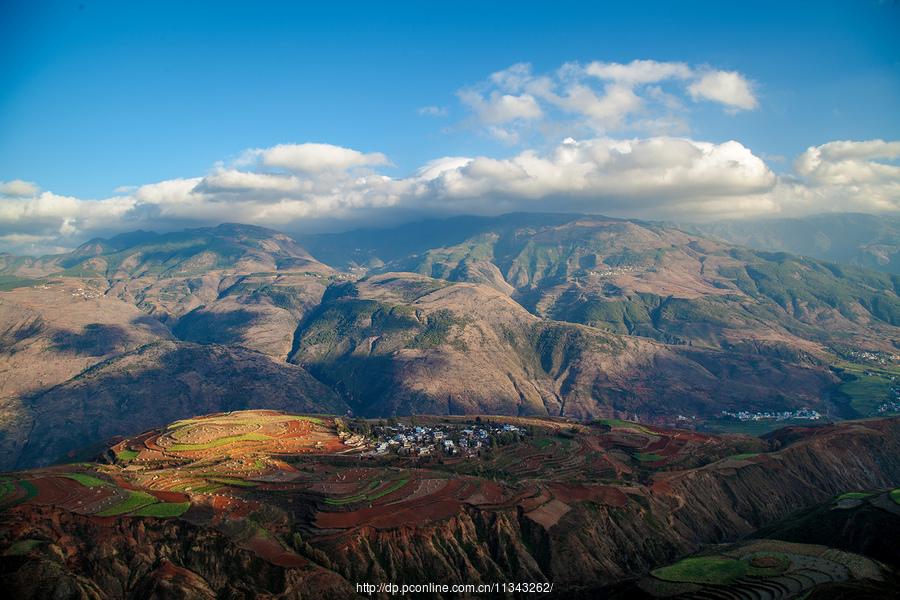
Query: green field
[[222, 441], [393, 487], [867, 392], [11, 282], [207, 489], [232, 481], [133, 502], [7, 487], [236, 420], [162, 510], [854, 496], [127, 454], [714, 570], [86, 480], [623, 424], [346, 500], [22, 547], [751, 428], [366, 494], [895, 495], [647, 456]]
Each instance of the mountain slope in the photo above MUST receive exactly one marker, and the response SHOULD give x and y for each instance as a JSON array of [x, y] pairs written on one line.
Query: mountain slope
[[100, 309], [403, 343], [656, 281], [152, 385], [871, 241]]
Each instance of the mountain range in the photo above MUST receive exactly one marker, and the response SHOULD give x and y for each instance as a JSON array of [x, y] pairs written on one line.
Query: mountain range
[[524, 314]]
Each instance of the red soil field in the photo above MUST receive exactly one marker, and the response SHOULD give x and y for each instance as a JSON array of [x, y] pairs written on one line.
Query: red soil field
[[272, 551]]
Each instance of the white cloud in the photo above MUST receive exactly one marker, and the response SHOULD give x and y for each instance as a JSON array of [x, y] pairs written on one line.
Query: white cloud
[[607, 111], [850, 176], [726, 87], [433, 111], [645, 96], [654, 177], [497, 108], [17, 188], [312, 158], [639, 71]]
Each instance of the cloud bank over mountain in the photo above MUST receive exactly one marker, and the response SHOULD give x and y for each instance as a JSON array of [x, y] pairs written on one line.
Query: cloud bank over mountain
[[627, 152]]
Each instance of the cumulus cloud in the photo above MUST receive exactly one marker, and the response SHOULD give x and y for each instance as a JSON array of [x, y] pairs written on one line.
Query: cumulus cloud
[[311, 158], [17, 188], [726, 87], [651, 177], [660, 176], [600, 97], [639, 71], [499, 108], [850, 176]]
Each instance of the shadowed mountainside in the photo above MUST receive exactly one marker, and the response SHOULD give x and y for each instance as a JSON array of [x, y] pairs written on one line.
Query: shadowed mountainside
[[404, 343]]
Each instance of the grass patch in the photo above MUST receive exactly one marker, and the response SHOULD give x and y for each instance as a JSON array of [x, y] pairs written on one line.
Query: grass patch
[[11, 282], [542, 443], [132, 502], [751, 428], [712, 570], [162, 510], [23, 547], [393, 487], [854, 496], [895, 495], [222, 441], [232, 481], [612, 423], [86, 480], [7, 488], [867, 392], [207, 489], [647, 456], [346, 500], [127, 454], [358, 497], [30, 492], [235, 420]]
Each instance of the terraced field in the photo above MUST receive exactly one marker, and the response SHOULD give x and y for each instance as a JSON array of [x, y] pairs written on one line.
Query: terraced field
[[293, 490], [759, 570]]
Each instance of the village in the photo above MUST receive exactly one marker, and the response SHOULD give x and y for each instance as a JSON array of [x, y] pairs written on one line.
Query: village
[[447, 439], [803, 414]]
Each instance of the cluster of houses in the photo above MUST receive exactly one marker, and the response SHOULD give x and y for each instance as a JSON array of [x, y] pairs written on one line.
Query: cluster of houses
[[871, 356], [615, 271], [805, 414], [86, 294], [446, 439], [891, 406]]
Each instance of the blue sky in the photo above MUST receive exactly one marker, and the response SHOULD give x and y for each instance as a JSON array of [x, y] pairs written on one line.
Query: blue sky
[[99, 95]]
